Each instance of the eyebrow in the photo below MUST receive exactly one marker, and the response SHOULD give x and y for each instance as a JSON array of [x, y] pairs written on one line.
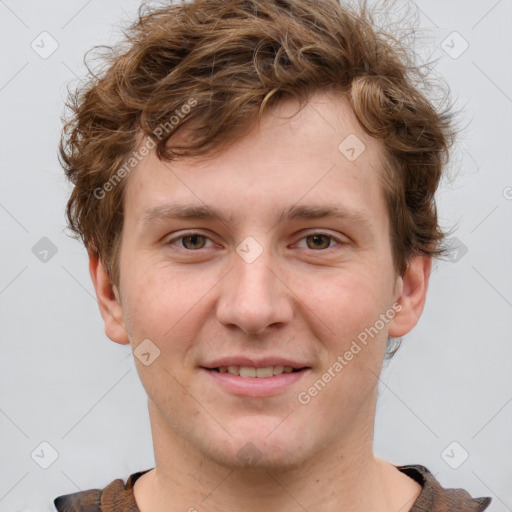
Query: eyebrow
[[311, 212], [296, 212], [179, 211]]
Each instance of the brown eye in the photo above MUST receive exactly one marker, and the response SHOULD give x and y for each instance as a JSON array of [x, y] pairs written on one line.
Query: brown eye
[[193, 241], [318, 241]]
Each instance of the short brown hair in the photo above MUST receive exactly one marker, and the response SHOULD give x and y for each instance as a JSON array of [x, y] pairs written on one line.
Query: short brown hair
[[235, 59]]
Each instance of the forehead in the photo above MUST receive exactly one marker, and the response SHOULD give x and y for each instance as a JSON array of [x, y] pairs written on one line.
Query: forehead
[[319, 155]]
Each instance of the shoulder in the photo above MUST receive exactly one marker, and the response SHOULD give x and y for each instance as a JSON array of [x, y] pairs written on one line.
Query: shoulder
[[435, 498], [84, 501], [115, 497]]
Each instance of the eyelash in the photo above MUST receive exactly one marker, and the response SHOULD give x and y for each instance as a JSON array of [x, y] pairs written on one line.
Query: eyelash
[[314, 233]]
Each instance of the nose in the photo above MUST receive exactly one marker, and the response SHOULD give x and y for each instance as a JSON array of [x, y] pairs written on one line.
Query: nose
[[254, 297]]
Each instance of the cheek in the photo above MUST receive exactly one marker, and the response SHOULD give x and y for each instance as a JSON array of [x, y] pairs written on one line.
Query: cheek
[[343, 304], [162, 309], [344, 311], [163, 304]]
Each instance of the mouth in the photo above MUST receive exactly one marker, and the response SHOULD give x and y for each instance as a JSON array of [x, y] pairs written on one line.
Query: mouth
[[255, 382], [258, 373]]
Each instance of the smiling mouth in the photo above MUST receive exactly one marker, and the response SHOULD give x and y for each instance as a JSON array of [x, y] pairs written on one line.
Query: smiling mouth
[[259, 373]]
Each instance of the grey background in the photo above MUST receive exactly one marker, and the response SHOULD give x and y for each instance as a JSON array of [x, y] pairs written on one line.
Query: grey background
[[63, 382]]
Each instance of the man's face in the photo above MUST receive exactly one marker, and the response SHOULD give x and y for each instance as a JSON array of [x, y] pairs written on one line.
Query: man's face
[[259, 284]]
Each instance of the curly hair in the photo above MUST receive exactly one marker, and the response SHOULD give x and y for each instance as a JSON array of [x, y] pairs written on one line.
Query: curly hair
[[214, 66]]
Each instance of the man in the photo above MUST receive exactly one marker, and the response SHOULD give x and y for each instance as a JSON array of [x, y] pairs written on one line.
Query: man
[[254, 182]]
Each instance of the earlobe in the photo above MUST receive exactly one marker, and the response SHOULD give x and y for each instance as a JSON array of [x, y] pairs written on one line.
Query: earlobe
[[109, 300], [411, 295]]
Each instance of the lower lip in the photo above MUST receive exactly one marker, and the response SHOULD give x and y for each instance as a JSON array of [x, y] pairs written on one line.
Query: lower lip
[[254, 386]]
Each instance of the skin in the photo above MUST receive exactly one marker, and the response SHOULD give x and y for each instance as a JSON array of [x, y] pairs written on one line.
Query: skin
[[294, 300]]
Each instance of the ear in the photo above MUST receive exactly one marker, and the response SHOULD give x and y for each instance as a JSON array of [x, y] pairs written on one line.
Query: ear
[[411, 295], [108, 300]]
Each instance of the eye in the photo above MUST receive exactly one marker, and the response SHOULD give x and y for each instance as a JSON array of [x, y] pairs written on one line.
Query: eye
[[320, 241], [190, 241], [195, 241]]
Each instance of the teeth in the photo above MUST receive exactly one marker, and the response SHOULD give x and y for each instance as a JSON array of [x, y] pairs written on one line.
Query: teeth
[[247, 372], [277, 370], [261, 373]]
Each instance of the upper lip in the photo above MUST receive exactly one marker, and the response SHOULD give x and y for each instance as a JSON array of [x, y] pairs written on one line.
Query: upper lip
[[263, 362]]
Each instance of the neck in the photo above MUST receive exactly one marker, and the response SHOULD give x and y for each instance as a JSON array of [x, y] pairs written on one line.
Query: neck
[[347, 473]]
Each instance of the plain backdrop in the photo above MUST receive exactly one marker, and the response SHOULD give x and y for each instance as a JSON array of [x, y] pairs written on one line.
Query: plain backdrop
[[70, 399]]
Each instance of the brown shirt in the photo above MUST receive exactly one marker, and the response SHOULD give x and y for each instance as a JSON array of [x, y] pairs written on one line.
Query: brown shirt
[[118, 497]]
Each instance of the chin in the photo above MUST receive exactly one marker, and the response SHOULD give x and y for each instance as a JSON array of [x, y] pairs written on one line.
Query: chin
[[249, 456], [259, 445]]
